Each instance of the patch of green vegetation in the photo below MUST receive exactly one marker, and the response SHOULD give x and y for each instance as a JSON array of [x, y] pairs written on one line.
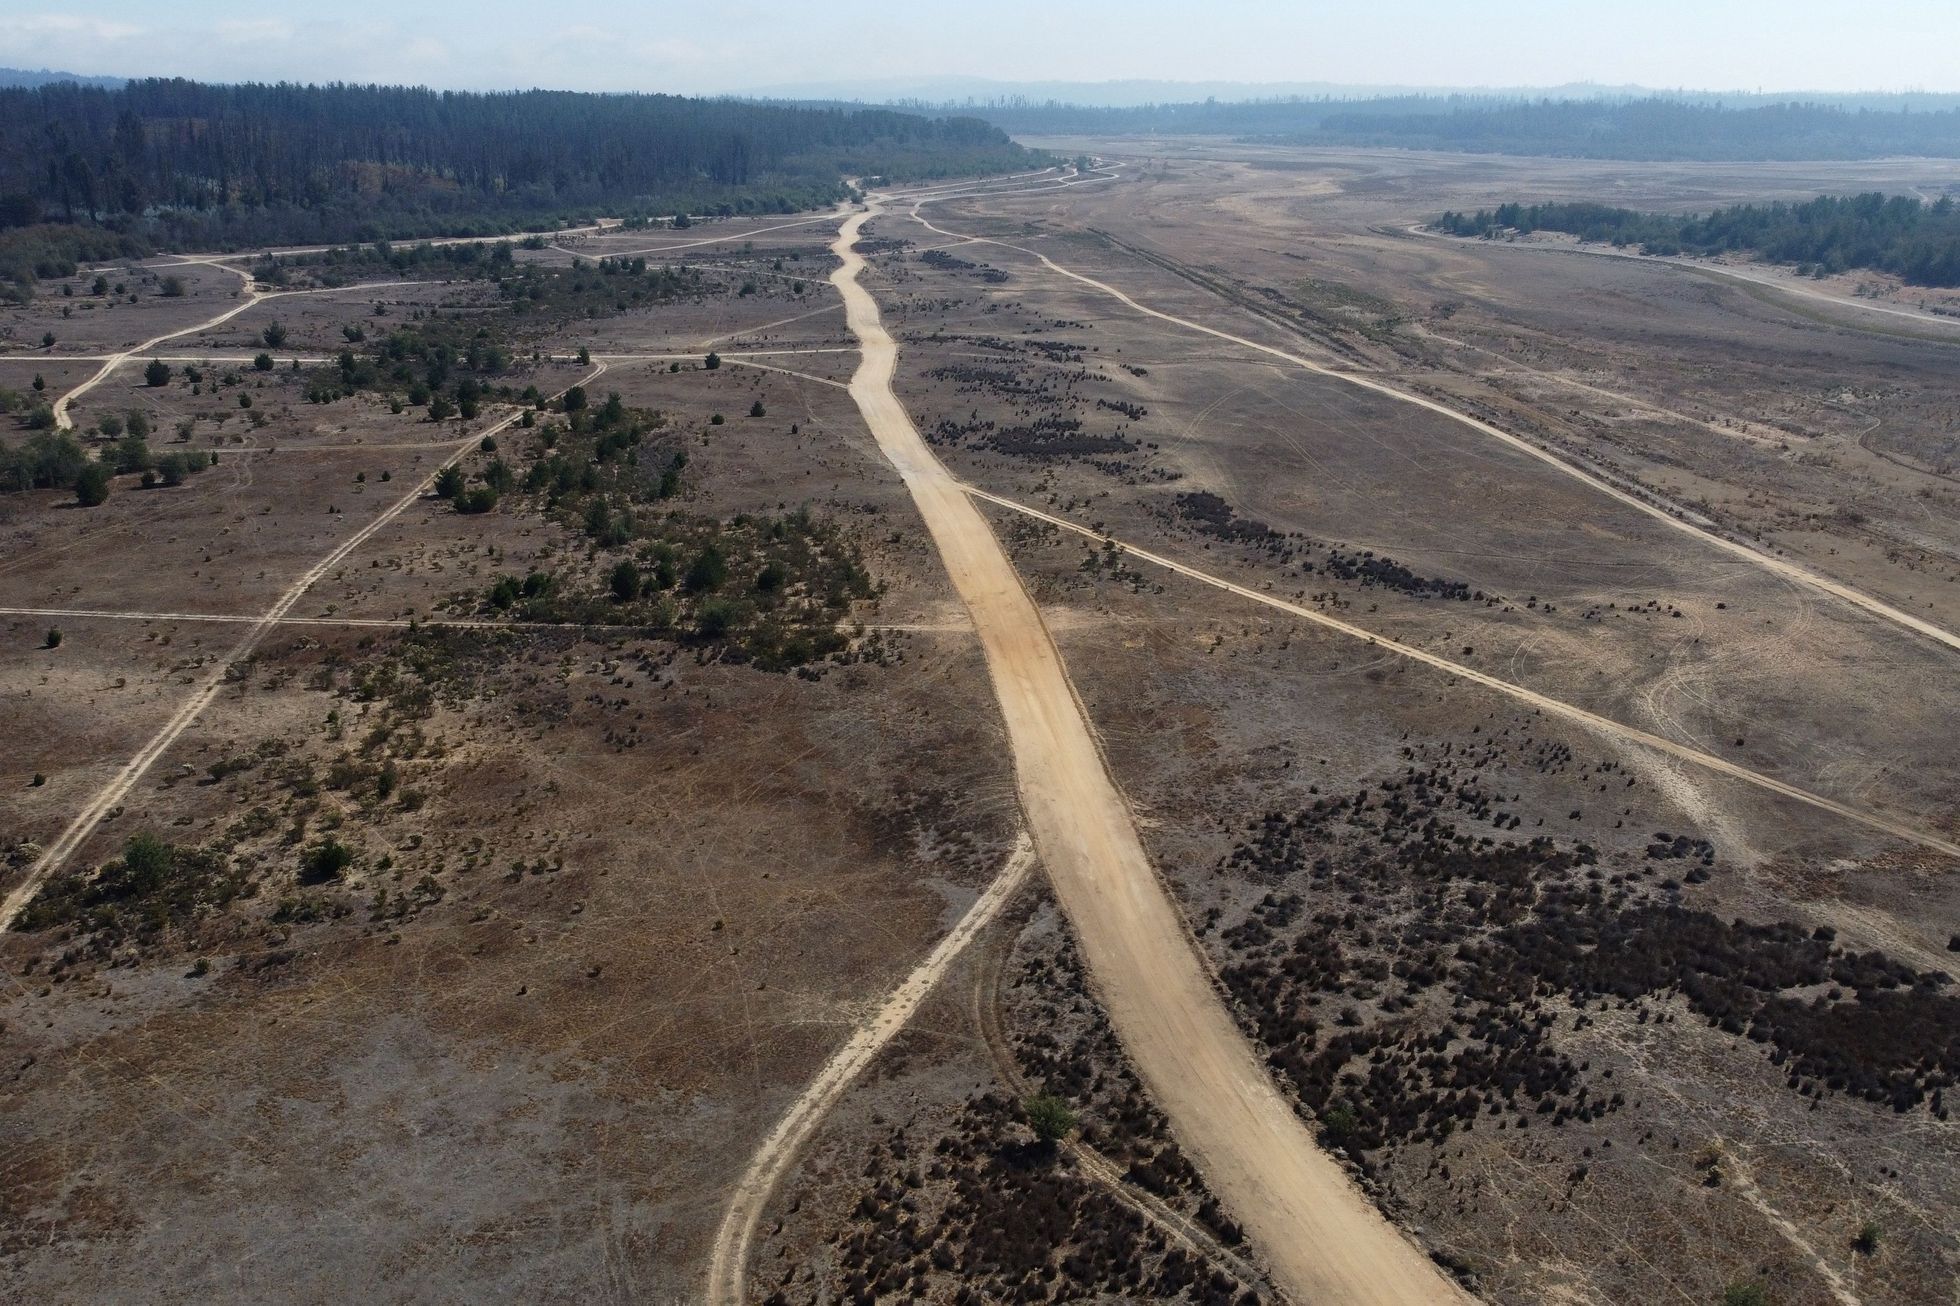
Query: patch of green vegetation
[[39, 251], [1914, 240], [589, 290], [344, 265], [152, 888], [768, 590], [448, 364], [1049, 1116], [45, 460]]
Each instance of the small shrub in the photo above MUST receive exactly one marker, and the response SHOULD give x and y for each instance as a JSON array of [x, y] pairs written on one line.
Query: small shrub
[[708, 571], [324, 861], [92, 485], [1049, 1116]]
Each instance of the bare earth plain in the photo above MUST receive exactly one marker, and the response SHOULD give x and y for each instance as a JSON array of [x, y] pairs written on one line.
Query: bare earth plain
[[1558, 814]]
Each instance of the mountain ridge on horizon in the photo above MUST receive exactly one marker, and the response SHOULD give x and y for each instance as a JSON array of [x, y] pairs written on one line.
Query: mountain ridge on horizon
[[953, 92]]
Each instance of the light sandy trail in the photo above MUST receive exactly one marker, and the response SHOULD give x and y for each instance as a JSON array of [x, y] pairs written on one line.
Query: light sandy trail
[[118, 788], [728, 1264], [113, 361], [236, 619], [224, 260], [45, 359], [1788, 570], [769, 367], [1557, 707], [829, 215], [700, 354], [1323, 1238], [769, 326], [1745, 1183]]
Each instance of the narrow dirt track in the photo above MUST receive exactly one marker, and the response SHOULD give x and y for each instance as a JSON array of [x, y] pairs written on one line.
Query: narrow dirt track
[[1323, 1238], [728, 1264], [124, 780], [1553, 706], [1787, 570], [112, 362]]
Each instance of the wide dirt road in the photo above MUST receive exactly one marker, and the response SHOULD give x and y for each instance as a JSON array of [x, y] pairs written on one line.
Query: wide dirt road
[[1323, 1239]]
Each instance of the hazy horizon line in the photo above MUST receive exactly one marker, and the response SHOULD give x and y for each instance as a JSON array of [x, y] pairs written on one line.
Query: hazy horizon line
[[882, 91]]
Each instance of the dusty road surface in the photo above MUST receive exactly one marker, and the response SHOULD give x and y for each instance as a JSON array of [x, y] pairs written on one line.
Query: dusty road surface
[[1324, 1240]]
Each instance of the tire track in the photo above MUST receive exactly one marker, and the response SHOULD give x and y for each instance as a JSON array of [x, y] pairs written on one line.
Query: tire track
[[1789, 570], [1557, 707], [728, 1263]]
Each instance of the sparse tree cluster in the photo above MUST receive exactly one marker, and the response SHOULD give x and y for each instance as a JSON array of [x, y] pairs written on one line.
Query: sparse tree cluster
[[1907, 237]]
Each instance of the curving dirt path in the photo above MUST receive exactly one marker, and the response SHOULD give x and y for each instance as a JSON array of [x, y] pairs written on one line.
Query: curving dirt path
[[114, 361], [1552, 706], [253, 299], [1324, 1239], [124, 780], [728, 1263], [1788, 570]]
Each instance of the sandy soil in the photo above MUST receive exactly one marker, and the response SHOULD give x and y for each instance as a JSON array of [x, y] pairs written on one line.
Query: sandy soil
[[1321, 1236]]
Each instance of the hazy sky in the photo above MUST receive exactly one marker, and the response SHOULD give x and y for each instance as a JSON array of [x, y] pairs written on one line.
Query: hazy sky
[[724, 45]]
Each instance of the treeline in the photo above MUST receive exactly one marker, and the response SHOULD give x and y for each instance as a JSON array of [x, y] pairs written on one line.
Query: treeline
[[1658, 127], [185, 164], [1916, 241]]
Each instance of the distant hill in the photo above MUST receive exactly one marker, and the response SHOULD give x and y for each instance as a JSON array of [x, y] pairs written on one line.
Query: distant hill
[[43, 77], [1735, 128], [968, 93]]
